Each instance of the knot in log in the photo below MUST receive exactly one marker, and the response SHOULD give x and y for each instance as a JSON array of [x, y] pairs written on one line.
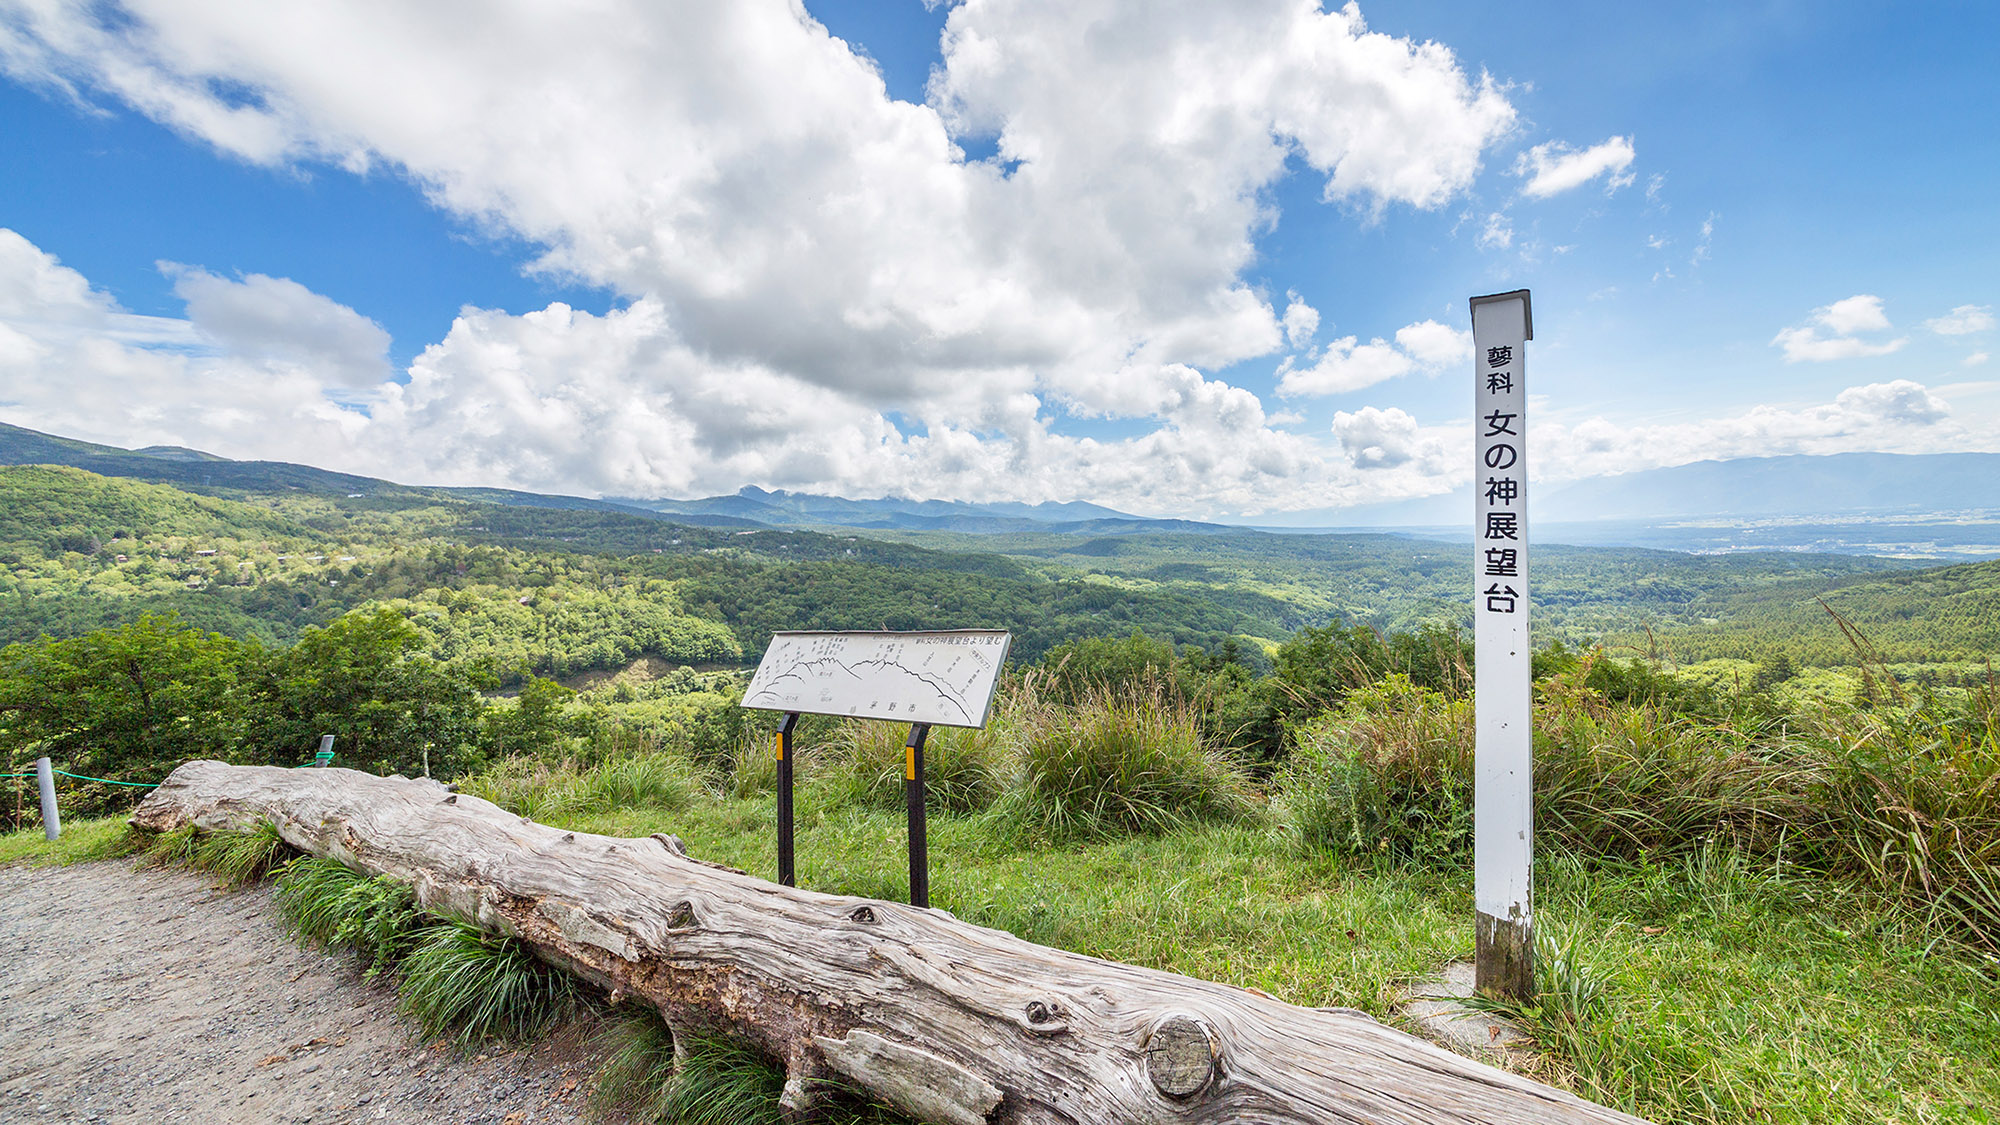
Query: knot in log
[[1180, 1056]]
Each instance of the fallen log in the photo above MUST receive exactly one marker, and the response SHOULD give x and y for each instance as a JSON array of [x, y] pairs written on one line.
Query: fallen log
[[950, 1022]]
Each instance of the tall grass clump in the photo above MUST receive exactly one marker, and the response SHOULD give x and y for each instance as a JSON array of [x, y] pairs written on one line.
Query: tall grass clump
[[1634, 777], [328, 904], [1900, 791], [1389, 774], [461, 981], [964, 769], [1115, 763], [1911, 802], [652, 1076], [239, 856], [242, 856], [548, 792]]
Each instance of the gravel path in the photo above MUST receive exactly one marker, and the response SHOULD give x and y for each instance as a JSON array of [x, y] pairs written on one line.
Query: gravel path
[[131, 996]]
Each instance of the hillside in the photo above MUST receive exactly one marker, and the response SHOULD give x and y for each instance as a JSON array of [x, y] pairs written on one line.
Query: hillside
[[1939, 615], [560, 586]]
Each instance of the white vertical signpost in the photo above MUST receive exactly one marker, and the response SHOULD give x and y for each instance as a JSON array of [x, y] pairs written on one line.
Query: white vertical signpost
[[1503, 768]]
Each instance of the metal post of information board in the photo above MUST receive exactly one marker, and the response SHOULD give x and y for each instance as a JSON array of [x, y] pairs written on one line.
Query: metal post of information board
[[784, 750], [45, 777], [913, 788], [1503, 784]]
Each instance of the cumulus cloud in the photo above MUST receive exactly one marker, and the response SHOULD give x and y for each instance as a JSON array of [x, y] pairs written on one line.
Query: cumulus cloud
[[560, 399], [1373, 438], [1497, 233], [797, 251], [1554, 167], [748, 170], [1832, 332], [1346, 364], [279, 320], [1975, 359], [1962, 321], [1433, 345], [79, 364]]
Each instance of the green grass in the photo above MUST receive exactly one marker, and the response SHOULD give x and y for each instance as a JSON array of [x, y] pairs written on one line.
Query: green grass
[[460, 981], [326, 903], [710, 1081], [83, 841], [1704, 986]]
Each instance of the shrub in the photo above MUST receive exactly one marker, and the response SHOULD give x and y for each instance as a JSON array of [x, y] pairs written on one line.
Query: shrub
[[243, 856], [1912, 802], [1115, 763], [1904, 796], [964, 769], [1390, 773]]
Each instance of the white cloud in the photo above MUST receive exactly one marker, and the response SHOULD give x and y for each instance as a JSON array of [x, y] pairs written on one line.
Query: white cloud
[[1301, 321], [1975, 359], [1900, 416], [559, 399], [644, 146], [1860, 313], [1705, 244], [81, 366], [777, 223], [279, 320], [1373, 438], [1435, 345], [1554, 167], [1347, 364], [1497, 233], [1962, 321], [1843, 318]]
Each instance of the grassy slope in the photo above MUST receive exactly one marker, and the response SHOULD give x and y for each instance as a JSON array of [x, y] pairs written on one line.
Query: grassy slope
[[1731, 995], [1934, 615]]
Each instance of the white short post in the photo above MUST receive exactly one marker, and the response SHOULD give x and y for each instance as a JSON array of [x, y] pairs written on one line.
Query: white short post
[[45, 777], [1503, 790]]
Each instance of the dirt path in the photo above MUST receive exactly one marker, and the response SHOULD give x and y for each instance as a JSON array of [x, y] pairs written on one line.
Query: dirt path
[[131, 996]]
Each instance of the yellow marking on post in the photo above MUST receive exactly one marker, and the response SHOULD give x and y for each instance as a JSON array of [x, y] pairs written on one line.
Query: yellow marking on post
[[909, 763], [778, 746]]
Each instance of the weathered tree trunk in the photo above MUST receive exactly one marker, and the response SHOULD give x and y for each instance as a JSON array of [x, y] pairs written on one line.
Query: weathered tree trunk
[[953, 1023]]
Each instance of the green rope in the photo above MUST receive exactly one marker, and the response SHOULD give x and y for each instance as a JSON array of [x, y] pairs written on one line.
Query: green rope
[[16, 775], [108, 781]]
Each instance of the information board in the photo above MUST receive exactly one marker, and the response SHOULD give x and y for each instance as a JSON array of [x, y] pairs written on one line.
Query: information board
[[944, 678]]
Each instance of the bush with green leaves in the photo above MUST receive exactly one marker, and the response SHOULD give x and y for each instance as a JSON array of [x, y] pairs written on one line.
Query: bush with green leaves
[[1390, 773], [1903, 795]]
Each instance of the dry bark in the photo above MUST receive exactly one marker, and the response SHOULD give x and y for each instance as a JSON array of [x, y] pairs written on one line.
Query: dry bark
[[950, 1022]]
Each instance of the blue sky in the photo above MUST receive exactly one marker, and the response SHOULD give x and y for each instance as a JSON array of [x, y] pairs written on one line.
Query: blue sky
[[1182, 259]]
